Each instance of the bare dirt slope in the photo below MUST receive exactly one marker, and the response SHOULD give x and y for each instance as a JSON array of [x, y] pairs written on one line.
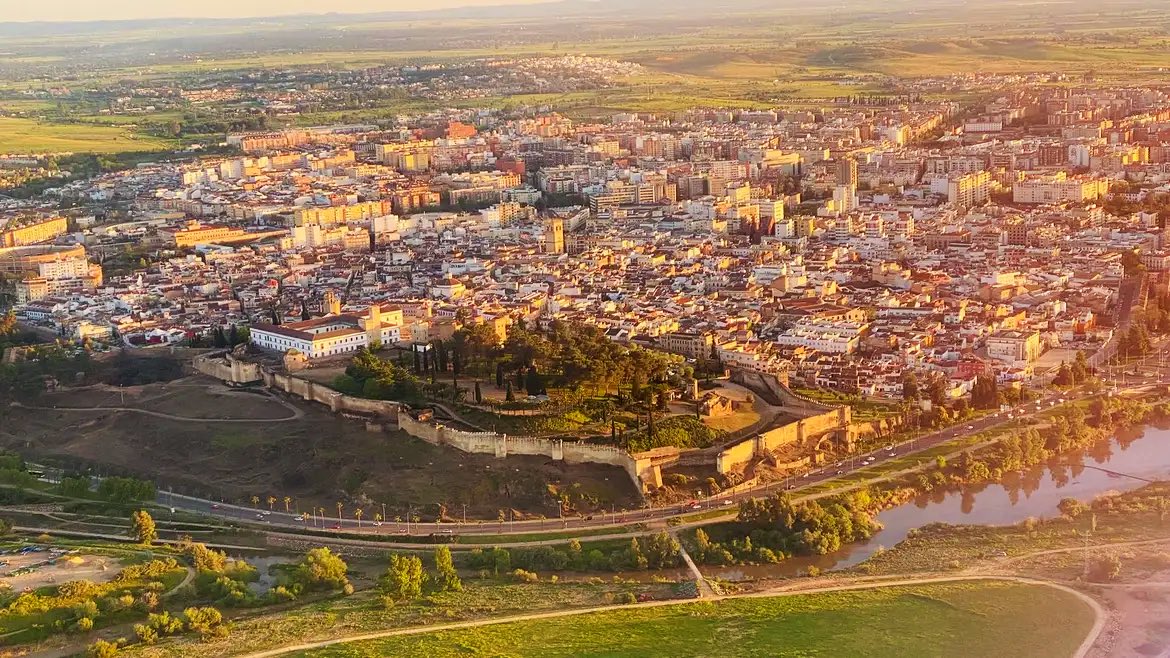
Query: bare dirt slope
[[205, 439]]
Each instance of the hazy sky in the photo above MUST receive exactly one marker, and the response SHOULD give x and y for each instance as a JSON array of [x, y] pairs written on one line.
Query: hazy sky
[[88, 10]]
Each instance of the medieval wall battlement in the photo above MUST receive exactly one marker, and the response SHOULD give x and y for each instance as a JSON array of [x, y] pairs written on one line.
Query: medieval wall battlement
[[641, 471]]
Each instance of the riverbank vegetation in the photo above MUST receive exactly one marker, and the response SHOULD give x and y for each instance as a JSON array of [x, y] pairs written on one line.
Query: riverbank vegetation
[[1139, 515], [80, 606], [160, 592], [774, 529], [659, 551]]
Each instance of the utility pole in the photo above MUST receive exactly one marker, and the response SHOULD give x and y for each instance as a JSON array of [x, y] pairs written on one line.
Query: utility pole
[[1085, 575]]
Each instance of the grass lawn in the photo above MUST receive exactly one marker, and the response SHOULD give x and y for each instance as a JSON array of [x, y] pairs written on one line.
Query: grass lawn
[[970, 619], [863, 409], [30, 136], [732, 422]]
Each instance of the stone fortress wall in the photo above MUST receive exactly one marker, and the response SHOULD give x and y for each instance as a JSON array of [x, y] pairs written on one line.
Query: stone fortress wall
[[644, 469], [643, 473]]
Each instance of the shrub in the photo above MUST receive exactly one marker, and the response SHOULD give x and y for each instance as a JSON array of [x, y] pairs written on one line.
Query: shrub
[[164, 623], [446, 579], [1105, 568], [145, 634], [142, 527], [77, 590], [280, 594], [203, 558], [1072, 508], [321, 569], [403, 581], [207, 621], [102, 649], [148, 601], [87, 608], [525, 576]]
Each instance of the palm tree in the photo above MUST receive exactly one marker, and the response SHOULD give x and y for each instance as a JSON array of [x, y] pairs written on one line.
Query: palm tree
[[255, 501], [357, 514], [339, 506], [377, 518], [287, 502], [271, 502]]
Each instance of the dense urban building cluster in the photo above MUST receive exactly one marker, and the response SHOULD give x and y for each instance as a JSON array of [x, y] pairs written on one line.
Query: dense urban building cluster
[[839, 246]]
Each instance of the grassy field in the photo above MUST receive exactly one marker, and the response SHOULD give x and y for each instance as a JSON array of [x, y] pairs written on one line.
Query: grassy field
[[28, 135], [781, 60], [969, 619], [364, 612]]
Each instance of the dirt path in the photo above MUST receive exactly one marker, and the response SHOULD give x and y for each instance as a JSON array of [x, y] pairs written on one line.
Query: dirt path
[[123, 538], [296, 415], [1076, 549], [186, 581], [1086, 645]]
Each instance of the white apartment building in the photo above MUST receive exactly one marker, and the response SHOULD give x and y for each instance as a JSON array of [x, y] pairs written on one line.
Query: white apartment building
[[828, 337], [969, 190], [331, 335], [1059, 188]]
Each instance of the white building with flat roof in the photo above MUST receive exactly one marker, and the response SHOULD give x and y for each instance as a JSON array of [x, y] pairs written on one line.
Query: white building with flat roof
[[331, 335]]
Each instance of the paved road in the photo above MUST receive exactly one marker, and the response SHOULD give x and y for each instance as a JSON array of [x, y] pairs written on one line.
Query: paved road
[[1148, 371], [279, 518]]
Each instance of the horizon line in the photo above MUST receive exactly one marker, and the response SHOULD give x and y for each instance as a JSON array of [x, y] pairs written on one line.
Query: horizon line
[[494, 4]]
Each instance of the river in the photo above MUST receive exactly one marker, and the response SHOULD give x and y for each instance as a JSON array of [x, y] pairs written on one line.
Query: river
[[1032, 493]]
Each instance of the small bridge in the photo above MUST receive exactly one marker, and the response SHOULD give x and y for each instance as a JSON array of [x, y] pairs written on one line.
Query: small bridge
[[1122, 475]]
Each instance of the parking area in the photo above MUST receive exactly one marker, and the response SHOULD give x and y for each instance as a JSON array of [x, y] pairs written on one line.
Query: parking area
[[33, 569]]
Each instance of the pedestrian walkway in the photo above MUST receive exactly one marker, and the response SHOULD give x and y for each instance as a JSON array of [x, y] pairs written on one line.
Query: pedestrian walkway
[[705, 589]]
